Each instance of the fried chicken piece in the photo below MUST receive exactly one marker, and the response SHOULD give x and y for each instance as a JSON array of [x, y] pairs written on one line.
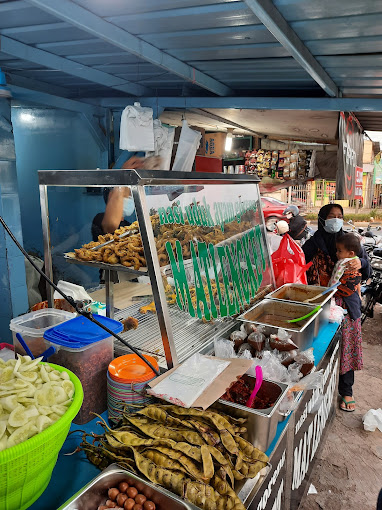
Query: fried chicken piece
[[130, 323]]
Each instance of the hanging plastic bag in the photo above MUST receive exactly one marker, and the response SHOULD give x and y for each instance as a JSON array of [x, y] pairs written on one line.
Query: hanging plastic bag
[[136, 131], [289, 264], [189, 142], [163, 142]]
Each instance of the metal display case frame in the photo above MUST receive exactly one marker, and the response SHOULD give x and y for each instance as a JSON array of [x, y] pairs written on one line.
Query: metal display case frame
[[136, 180]]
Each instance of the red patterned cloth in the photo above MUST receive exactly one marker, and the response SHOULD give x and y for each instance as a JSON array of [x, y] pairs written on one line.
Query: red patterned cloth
[[351, 344], [321, 270]]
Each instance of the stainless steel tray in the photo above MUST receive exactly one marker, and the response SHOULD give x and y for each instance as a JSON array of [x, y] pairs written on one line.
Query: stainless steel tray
[[297, 293], [69, 257], [261, 423], [95, 492], [273, 314]]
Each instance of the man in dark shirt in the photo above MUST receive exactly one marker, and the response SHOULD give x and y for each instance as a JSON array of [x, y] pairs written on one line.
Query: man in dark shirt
[[297, 224]]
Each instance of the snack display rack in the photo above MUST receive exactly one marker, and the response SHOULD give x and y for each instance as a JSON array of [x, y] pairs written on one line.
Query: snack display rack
[[170, 333]]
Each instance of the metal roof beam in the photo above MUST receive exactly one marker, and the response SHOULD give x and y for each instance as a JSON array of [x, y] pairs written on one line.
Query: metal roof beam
[[33, 28], [93, 24], [13, 6], [278, 26], [197, 10], [32, 96], [38, 86], [249, 103], [46, 59]]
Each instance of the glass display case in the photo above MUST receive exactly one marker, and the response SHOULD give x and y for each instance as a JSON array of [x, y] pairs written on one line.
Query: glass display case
[[199, 238]]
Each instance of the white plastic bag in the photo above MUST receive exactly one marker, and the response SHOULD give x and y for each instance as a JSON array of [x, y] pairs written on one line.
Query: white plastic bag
[[189, 142], [224, 349], [163, 142], [336, 313], [77, 292], [136, 131], [310, 382], [272, 368], [372, 420], [189, 380]]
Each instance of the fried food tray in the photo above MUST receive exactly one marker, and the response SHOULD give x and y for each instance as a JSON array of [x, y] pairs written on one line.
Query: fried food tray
[[71, 258]]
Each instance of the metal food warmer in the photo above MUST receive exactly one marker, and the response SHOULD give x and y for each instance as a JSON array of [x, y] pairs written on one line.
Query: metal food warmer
[[210, 229]]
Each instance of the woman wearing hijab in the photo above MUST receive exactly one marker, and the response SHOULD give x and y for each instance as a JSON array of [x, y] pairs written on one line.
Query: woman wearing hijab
[[321, 250]]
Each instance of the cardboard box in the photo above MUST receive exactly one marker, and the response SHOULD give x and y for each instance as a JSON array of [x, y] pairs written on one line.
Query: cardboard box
[[215, 144]]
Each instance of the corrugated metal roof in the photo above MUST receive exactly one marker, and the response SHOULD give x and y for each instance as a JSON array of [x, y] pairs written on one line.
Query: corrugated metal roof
[[225, 41]]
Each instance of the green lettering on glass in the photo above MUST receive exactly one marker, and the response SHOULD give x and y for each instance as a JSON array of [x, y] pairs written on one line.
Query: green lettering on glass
[[209, 218], [243, 271], [170, 216], [178, 216], [205, 259], [196, 212], [234, 266], [223, 303], [260, 246], [199, 287], [183, 295], [162, 215], [190, 214], [253, 248], [232, 305], [247, 248]]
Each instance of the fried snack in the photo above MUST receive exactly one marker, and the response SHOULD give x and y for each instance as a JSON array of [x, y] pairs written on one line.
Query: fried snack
[[129, 252], [155, 442], [130, 323], [148, 308]]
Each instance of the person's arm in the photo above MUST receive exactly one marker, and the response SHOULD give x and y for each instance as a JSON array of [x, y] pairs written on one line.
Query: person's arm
[[361, 263], [114, 207], [349, 283], [114, 210]]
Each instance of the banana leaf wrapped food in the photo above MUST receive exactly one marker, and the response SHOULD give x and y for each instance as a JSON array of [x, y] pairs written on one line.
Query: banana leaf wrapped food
[[196, 454]]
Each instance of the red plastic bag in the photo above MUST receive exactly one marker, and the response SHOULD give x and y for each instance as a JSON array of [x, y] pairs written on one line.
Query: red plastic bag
[[289, 264]]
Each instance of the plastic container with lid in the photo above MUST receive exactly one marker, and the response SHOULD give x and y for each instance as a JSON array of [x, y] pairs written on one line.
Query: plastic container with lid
[[32, 327], [85, 349], [127, 379]]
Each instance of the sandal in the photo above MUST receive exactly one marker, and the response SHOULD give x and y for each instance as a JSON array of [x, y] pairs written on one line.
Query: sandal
[[346, 405]]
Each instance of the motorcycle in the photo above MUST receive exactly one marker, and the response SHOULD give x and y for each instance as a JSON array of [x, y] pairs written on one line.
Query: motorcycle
[[371, 291]]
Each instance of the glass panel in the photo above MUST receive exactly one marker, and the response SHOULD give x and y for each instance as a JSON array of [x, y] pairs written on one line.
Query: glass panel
[[211, 247], [77, 217]]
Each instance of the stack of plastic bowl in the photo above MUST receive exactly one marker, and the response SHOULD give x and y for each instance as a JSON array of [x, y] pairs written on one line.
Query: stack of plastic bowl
[[127, 379]]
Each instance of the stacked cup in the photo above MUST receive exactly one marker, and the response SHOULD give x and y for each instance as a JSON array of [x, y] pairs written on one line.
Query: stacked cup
[[127, 378]]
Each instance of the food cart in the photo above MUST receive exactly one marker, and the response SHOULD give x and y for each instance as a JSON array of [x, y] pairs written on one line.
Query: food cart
[[199, 288]]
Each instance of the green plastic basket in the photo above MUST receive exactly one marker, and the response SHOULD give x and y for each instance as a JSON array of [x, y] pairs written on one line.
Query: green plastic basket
[[26, 469]]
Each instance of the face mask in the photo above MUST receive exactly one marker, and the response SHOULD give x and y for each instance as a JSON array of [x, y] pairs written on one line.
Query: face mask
[[289, 215], [128, 207], [333, 225]]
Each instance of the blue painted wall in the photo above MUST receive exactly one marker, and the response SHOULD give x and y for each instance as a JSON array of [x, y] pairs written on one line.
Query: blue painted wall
[[13, 292], [47, 139]]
